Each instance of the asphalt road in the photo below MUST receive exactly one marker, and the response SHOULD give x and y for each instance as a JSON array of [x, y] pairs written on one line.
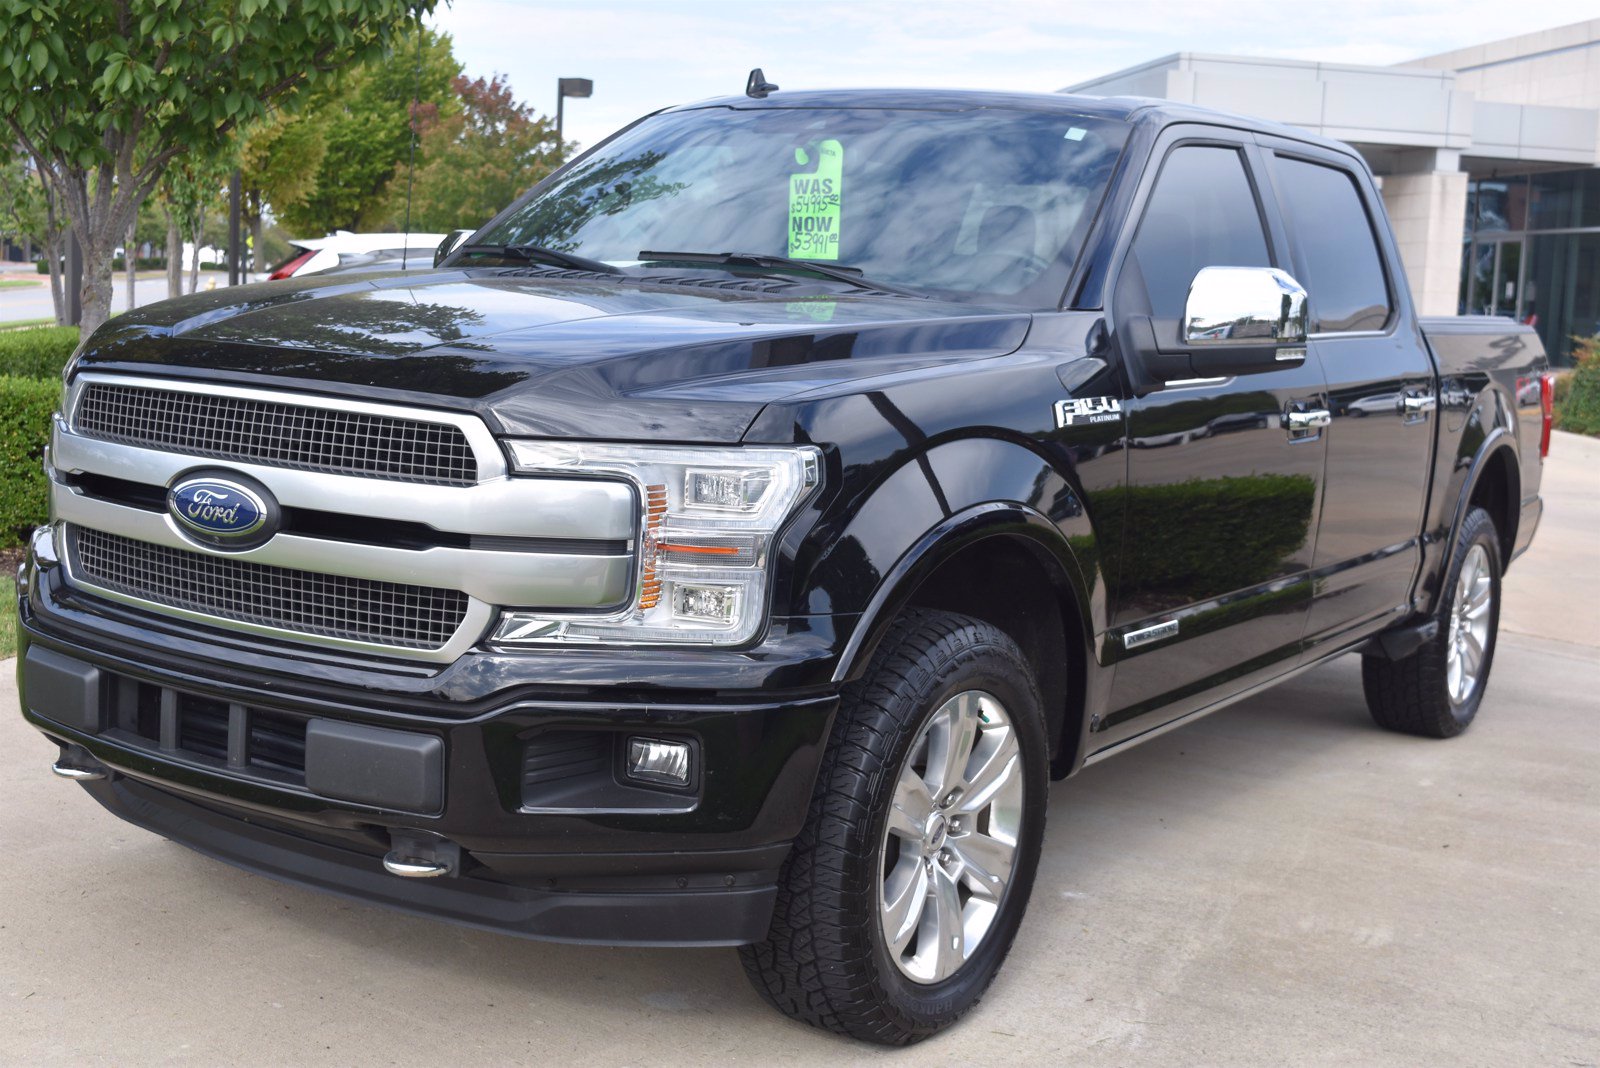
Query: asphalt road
[[1281, 883]]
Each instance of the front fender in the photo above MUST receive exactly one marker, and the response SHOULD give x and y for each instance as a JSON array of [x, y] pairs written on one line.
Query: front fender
[[932, 506]]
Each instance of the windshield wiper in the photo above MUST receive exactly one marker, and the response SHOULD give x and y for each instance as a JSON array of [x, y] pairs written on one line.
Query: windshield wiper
[[761, 261], [540, 254]]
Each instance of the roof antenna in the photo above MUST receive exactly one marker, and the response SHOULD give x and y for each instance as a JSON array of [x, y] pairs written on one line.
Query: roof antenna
[[757, 87], [411, 166]]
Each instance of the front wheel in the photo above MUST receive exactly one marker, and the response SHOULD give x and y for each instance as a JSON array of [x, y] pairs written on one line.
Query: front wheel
[[907, 885], [1436, 691]]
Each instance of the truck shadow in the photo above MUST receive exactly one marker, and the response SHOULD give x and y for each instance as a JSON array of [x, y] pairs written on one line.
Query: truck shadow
[[492, 986]]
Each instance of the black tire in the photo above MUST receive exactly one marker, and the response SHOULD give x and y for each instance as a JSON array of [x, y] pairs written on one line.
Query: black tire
[[825, 960], [1413, 695]]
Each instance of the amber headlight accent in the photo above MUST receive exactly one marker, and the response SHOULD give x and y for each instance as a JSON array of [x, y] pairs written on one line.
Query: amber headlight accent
[[708, 521]]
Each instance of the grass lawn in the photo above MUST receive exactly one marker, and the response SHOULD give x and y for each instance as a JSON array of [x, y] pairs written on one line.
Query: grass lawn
[[17, 283], [8, 617], [27, 324]]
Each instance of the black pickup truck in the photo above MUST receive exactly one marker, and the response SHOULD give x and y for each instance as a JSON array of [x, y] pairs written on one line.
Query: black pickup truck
[[730, 542]]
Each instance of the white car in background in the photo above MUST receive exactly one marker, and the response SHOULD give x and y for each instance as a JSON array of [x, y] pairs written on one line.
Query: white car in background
[[345, 251]]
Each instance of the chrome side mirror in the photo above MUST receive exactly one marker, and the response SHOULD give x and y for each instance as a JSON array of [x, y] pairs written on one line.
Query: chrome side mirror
[[448, 245], [1230, 305]]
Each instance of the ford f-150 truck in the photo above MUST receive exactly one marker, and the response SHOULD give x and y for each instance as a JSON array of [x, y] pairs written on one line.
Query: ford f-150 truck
[[730, 542]]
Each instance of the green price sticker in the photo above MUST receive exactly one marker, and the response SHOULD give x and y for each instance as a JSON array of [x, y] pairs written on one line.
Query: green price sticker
[[815, 204]]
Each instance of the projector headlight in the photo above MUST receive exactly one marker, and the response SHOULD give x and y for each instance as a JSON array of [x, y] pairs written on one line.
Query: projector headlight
[[709, 519]]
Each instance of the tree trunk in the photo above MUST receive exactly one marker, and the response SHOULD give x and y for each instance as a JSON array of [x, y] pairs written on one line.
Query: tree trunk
[[256, 264], [174, 257], [52, 253], [130, 260], [96, 292], [194, 268]]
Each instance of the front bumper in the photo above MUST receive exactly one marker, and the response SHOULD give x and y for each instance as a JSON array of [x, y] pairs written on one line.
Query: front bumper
[[490, 764]]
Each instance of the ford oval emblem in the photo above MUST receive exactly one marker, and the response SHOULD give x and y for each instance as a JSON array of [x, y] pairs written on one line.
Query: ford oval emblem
[[223, 510]]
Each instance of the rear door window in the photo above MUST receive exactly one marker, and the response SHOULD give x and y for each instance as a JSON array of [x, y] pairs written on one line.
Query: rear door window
[[1336, 248]]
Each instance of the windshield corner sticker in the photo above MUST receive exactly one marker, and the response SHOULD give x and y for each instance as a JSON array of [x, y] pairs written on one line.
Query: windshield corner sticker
[[814, 204], [1080, 411], [818, 311]]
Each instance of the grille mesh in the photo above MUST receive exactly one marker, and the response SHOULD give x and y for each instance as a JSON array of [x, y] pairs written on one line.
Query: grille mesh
[[385, 613], [278, 434]]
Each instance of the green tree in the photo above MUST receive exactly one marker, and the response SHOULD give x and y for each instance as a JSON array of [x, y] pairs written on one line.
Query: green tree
[[26, 210], [21, 201], [366, 130], [105, 94], [280, 161], [474, 160], [193, 188]]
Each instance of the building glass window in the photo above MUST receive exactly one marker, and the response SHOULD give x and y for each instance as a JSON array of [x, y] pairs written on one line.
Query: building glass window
[[1564, 200], [1532, 252]]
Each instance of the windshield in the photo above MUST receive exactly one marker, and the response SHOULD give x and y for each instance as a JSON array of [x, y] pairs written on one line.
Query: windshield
[[988, 205]]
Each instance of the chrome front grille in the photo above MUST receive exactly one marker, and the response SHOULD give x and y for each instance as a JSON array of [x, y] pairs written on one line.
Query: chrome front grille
[[279, 598], [277, 434], [403, 534]]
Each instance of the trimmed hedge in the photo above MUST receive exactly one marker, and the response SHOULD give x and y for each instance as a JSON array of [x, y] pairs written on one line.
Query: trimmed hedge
[[25, 408], [142, 263], [1578, 394], [38, 352]]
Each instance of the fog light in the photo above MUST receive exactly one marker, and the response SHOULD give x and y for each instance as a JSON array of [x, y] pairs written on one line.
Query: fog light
[[655, 760]]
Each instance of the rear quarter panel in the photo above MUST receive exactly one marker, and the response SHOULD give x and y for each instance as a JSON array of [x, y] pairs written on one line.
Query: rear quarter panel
[[1489, 369]]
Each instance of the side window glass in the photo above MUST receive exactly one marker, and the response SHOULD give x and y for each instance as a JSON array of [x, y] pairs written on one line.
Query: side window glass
[[1337, 247], [1202, 213]]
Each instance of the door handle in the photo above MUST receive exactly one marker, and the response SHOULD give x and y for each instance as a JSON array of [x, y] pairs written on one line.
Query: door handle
[[1313, 420], [1418, 404]]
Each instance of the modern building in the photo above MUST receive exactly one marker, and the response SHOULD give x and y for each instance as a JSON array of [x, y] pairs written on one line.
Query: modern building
[[1488, 157]]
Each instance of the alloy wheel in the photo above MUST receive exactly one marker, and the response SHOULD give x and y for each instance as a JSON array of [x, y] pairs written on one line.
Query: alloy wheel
[[1469, 625], [949, 846]]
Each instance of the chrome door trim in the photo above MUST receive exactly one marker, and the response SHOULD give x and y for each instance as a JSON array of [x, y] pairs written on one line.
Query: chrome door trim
[[1195, 383], [1312, 420], [1419, 405]]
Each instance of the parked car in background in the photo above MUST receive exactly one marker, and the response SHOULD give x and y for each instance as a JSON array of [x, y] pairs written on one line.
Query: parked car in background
[[346, 252]]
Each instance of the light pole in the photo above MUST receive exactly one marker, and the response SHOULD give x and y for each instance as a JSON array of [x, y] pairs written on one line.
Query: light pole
[[577, 88]]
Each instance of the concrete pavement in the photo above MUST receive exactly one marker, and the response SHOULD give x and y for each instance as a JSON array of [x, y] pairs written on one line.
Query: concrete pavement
[[34, 302], [1281, 883]]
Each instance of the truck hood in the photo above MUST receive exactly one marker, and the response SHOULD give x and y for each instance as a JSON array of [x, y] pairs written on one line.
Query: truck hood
[[561, 356]]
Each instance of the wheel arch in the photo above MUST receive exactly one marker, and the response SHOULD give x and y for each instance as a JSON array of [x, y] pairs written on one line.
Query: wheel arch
[[1494, 482], [1009, 565]]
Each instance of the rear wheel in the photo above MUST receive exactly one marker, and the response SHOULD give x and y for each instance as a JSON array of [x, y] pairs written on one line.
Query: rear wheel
[[1435, 692], [907, 885]]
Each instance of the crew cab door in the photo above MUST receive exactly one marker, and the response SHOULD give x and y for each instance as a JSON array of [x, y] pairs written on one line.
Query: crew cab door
[[1382, 391], [1220, 521]]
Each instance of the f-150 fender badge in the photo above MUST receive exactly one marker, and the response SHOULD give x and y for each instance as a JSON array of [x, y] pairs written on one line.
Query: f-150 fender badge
[[1080, 411]]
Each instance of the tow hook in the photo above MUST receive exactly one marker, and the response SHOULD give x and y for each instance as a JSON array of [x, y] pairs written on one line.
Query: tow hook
[[67, 771], [76, 764], [415, 855]]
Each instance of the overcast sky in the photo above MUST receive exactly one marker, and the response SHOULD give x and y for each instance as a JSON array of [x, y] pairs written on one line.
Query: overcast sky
[[646, 54]]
